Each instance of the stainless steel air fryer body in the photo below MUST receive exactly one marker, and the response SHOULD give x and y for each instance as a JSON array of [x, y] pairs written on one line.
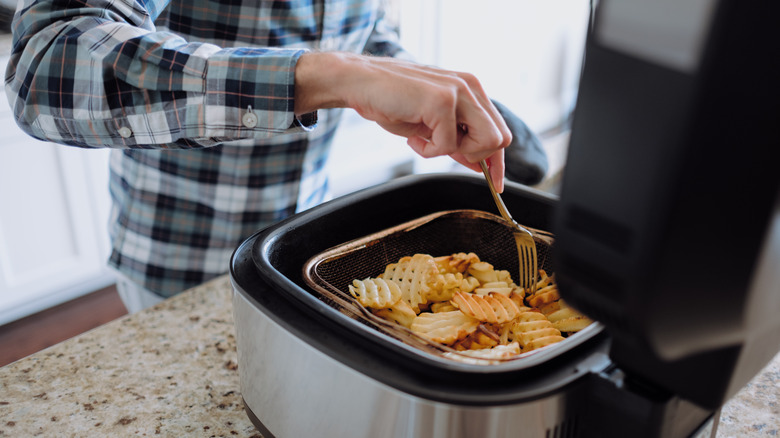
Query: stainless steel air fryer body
[[298, 390], [308, 370]]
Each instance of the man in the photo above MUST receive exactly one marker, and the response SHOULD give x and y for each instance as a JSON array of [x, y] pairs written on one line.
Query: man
[[212, 107]]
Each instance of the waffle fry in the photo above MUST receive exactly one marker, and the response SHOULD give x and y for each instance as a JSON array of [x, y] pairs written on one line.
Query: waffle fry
[[501, 287], [518, 296], [375, 293], [444, 327], [546, 291], [494, 308], [563, 317], [549, 308], [532, 330], [400, 313], [572, 325], [469, 284], [445, 306], [486, 356], [456, 263], [542, 342], [483, 337], [545, 296], [564, 312], [486, 273], [567, 319], [443, 289], [415, 277], [544, 279], [465, 303]]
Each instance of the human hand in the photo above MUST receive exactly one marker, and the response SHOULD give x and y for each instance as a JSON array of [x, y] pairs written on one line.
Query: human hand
[[439, 112]]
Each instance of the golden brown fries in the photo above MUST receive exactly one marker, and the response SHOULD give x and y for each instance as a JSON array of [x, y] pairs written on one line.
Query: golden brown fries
[[465, 303], [486, 356], [399, 312], [565, 318], [415, 277], [494, 308], [533, 330], [456, 263], [375, 292], [444, 327]]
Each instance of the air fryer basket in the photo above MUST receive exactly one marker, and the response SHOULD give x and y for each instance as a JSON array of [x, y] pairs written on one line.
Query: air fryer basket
[[443, 233]]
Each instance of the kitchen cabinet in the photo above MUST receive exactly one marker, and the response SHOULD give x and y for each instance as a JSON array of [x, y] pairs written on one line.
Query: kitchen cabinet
[[54, 205]]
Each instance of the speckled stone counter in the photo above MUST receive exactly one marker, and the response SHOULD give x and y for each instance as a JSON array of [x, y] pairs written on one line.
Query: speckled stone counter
[[171, 371]]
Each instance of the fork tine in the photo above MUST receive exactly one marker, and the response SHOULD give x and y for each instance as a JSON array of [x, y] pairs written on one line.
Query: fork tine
[[528, 267], [526, 246], [528, 264], [532, 267]]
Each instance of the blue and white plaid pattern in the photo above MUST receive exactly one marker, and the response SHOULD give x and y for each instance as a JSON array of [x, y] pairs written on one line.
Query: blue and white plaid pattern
[[167, 83]]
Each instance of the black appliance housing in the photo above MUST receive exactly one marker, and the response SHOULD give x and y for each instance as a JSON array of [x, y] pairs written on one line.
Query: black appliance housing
[[667, 228]]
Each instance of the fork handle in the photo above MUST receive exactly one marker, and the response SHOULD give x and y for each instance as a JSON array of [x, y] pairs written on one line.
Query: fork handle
[[496, 197]]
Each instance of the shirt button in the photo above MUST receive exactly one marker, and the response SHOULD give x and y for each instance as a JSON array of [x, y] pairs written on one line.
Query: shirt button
[[249, 119], [125, 132]]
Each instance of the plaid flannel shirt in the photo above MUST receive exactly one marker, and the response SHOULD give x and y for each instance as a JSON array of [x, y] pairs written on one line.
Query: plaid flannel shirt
[[197, 97]]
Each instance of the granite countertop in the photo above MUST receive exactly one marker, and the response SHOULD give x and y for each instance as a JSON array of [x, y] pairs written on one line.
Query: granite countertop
[[172, 371]]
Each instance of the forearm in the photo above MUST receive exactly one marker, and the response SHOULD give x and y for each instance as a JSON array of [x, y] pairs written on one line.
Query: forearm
[[317, 84], [440, 112], [81, 81]]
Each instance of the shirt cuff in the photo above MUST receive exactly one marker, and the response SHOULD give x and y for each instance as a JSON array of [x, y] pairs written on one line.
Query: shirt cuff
[[250, 92]]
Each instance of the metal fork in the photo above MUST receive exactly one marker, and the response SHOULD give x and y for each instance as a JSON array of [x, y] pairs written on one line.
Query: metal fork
[[526, 246]]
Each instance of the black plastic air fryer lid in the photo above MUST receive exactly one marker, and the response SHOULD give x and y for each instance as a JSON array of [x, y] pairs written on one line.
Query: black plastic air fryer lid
[[667, 228]]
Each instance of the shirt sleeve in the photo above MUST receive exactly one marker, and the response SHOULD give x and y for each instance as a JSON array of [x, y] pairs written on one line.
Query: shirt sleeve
[[384, 39], [96, 73]]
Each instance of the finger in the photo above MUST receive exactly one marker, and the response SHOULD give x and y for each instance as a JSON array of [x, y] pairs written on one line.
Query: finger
[[478, 145], [483, 136], [479, 94], [466, 163], [498, 119], [443, 126], [487, 104], [506, 133], [417, 144], [496, 168], [406, 130], [453, 103], [472, 158]]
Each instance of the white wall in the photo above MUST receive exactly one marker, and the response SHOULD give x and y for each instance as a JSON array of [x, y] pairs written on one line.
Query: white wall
[[526, 53]]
